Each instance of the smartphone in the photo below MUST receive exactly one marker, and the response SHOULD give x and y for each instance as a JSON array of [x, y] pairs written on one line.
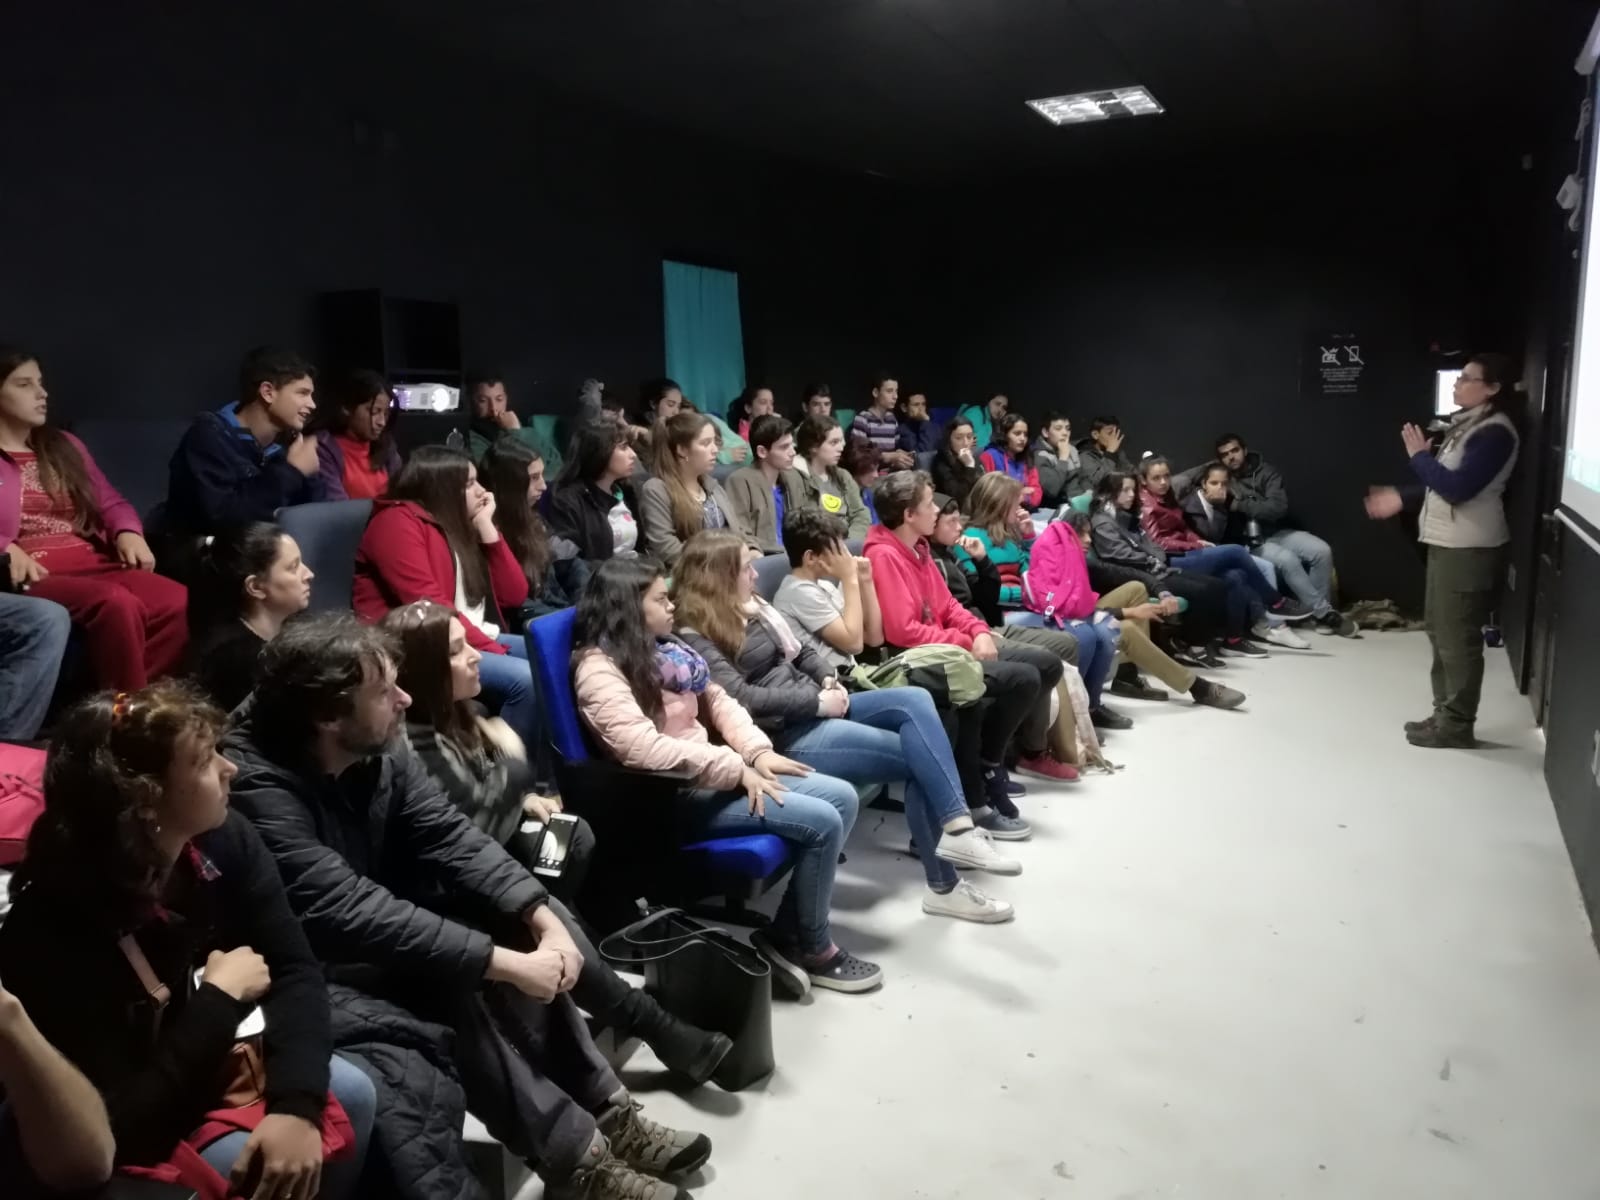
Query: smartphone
[[551, 857]]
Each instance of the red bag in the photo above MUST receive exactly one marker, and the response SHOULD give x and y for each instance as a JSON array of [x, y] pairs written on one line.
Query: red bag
[[186, 1166], [21, 798]]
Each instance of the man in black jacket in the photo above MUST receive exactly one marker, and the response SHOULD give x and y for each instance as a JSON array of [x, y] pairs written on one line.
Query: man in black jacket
[[444, 1008]]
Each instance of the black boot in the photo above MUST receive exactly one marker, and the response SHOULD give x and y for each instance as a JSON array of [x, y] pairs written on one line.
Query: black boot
[[681, 1047]]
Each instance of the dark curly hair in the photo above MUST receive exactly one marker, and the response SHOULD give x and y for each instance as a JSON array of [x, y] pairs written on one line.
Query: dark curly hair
[[95, 845]]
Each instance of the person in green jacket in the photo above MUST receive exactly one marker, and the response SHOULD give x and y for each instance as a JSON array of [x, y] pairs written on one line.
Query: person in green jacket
[[493, 418], [983, 417]]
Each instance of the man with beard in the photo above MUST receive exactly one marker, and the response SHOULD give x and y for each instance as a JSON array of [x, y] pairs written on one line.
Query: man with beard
[[449, 966]]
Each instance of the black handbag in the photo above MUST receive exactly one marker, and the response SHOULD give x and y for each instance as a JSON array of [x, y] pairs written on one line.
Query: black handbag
[[708, 978]]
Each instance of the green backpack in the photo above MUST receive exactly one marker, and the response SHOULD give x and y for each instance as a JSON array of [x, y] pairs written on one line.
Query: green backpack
[[949, 674]]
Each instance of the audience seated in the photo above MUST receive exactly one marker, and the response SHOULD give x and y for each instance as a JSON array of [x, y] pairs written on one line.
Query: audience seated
[[433, 537], [355, 446], [248, 581], [1100, 454], [982, 418], [755, 401], [592, 504], [683, 498], [1056, 458], [918, 610], [1304, 562], [1131, 605], [999, 522], [247, 460], [70, 538], [880, 428], [860, 461], [800, 700], [816, 400], [918, 434], [555, 571], [756, 494], [974, 581], [494, 420], [33, 638], [1011, 454], [957, 467], [55, 1137], [824, 484], [1253, 603], [650, 702], [1123, 552], [481, 766], [148, 923], [393, 886], [659, 401]]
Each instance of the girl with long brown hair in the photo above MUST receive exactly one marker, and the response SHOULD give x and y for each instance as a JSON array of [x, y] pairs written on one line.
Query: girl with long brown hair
[[515, 474], [70, 537], [888, 735], [433, 537], [683, 498]]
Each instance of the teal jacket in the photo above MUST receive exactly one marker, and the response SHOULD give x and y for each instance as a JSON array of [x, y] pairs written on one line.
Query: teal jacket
[[1009, 557]]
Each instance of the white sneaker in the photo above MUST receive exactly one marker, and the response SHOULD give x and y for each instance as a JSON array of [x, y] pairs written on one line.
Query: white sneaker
[[975, 850], [1280, 635], [967, 903]]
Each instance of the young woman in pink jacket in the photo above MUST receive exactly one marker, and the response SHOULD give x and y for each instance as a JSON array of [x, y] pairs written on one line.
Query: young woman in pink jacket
[[70, 537], [649, 700]]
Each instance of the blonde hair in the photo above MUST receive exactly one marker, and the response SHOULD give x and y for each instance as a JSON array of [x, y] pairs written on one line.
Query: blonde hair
[[705, 588], [992, 503]]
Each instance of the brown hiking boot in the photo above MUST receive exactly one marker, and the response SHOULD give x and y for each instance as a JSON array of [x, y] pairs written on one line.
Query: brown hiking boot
[[613, 1179], [646, 1146]]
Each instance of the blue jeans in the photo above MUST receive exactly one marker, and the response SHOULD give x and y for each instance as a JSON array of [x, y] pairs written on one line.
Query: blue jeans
[[891, 736], [816, 816], [1249, 593], [508, 686], [33, 637], [356, 1096], [1097, 654], [1305, 565]]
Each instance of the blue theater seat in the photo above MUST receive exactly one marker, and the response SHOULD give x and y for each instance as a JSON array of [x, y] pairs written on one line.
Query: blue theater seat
[[770, 572], [329, 533], [632, 812]]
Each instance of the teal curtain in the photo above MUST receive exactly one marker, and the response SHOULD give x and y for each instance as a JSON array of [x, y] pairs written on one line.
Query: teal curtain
[[705, 341]]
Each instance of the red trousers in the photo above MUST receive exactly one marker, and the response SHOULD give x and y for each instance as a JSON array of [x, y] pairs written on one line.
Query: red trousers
[[133, 621]]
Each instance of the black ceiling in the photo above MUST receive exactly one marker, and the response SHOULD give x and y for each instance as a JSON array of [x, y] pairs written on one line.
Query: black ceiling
[[919, 88]]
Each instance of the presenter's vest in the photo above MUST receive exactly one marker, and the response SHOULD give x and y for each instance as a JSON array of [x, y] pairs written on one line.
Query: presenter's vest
[[1480, 521]]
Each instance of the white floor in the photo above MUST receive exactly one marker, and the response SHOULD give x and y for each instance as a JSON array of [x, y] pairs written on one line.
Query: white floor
[[1282, 954]]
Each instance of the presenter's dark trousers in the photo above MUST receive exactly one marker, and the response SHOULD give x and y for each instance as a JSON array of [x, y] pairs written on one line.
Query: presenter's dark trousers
[[1462, 587]]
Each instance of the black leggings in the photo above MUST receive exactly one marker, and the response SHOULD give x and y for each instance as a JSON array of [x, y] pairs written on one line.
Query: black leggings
[[1012, 687]]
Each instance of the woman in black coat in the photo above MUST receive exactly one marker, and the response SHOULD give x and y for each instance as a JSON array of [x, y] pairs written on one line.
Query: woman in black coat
[[149, 923], [957, 466]]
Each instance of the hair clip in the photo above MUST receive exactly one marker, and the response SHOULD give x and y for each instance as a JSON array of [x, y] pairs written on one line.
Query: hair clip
[[119, 708]]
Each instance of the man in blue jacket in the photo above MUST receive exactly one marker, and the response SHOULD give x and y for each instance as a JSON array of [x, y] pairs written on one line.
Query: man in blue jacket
[[245, 461]]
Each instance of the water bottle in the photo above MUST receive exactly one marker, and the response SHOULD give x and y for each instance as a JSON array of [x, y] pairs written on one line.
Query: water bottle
[[1252, 533], [455, 441]]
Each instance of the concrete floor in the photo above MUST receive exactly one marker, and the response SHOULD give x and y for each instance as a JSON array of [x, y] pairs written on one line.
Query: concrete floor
[[1282, 954]]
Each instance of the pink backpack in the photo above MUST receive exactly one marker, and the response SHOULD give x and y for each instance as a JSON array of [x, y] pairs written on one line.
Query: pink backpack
[[1056, 583]]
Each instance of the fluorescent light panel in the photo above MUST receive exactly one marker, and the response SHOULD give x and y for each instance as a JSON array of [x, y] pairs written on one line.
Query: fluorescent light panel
[[1083, 107]]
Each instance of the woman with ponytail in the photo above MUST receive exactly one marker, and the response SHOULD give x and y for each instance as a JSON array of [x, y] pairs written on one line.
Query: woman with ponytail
[[250, 580]]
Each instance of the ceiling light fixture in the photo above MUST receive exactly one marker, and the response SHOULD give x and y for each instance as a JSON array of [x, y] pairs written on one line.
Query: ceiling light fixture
[[1083, 107]]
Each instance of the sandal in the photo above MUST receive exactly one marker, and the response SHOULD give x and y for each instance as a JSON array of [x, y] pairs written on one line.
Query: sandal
[[844, 972]]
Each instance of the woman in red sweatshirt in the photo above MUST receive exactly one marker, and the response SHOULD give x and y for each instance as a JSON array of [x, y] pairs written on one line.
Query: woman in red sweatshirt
[[433, 537], [70, 537]]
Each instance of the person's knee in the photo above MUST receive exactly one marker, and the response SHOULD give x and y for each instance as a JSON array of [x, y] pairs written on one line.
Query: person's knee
[[355, 1093], [834, 805]]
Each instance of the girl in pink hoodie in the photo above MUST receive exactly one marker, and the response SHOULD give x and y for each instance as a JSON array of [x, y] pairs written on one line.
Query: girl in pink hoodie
[[648, 699]]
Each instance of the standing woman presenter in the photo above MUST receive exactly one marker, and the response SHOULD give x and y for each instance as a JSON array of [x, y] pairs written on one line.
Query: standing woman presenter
[[1463, 524]]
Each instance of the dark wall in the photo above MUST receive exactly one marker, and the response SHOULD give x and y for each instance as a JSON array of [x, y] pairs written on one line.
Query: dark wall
[[1181, 301], [181, 188], [1572, 721]]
